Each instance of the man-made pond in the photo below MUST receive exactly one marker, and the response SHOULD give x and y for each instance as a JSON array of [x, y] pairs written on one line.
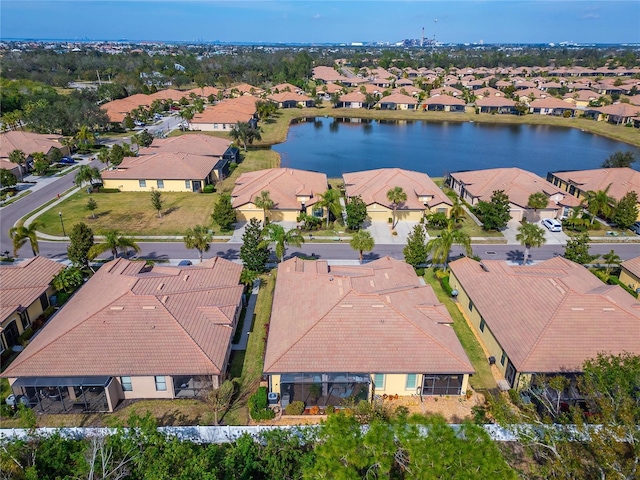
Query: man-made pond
[[336, 146]]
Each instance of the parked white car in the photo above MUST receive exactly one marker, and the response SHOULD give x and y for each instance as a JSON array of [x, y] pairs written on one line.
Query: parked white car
[[552, 224]]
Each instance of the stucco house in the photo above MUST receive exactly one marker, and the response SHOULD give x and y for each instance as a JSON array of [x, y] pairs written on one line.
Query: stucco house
[[25, 292], [551, 106], [292, 191], [423, 195], [133, 331], [444, 103], [29, 143], [546, 318], [478, 185], [291, 100], [630, 273], [225, 114], [352, 332], [496, 105], [397, 101]]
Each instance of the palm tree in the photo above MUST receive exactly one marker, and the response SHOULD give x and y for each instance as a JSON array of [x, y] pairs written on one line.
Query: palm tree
[[275, 233], [85, 136], [362, 241], [87, 174], [610, 259], [396, 196], [198, 237], [537, 201], [103, 156], [264, 202], [112, 242], [331, 201], [530, 235], [440, 247], [457, 210], [599, 203], [18, 157], [21, 234], [69, 142]]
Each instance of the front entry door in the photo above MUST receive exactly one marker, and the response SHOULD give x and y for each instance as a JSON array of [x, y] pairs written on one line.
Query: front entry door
[[510, 374], [197, 185]]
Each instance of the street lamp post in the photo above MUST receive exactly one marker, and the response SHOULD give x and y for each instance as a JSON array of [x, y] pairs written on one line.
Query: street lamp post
[[64, 234]]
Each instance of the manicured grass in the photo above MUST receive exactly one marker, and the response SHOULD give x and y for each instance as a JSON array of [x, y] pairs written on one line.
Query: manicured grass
[[482, 379], [131, 213], [254, 159], [471, 228]]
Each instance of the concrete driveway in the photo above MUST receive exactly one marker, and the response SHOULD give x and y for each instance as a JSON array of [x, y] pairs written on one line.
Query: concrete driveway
[[381, 232], [553, 238]]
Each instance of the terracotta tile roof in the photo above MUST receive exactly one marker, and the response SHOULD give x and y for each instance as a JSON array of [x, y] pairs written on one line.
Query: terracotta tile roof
[[495, 102], [333, 88], [527, 92], [167, 94], [163, 166], [353, 97], [488, 92], [282, 87], [23, 283], [203, 92], [551, 316], [289, 97], [409, 89], [283, 185], [518, 184], [632, 265], [193, 143], [443, 100], [581, 95], [28, 142], [551, 102], [622, 180], [619, 109], [230, 110], [398, 99], [445, 91], [125, 321], [634, 100], [373, 185], [373, 318]]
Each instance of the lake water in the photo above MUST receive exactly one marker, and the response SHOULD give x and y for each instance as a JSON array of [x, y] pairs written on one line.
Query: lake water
[[337, 146]]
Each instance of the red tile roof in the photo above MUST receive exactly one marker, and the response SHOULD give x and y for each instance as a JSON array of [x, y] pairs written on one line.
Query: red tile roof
[[28, 142], [193, 143], [373, 318], [632, 265], [129, 321], [551, 316], [622, 180], [163, 166], [23, 283]]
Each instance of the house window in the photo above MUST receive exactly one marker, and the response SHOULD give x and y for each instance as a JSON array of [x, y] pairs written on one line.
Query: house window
[[161, 384], [187, 184], [470, 306], [160, 183], [378, 380], [44, 301], [24, 319], [2, 349], [142, 183], [482, 324], [126, 384], [411, 381], [442, 210], [503, 358]]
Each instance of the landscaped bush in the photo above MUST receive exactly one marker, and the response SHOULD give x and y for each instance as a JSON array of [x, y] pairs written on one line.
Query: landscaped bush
[[444, 281], [107, 190], [420, 272], [295, 408], [329, 409], [259, 405], [616, 281], [209, 189]]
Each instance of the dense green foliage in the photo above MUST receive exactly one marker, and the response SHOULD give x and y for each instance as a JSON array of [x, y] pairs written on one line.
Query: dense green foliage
[[259, 406], [80, 242], [356, 211], [253, 252], [415, 252], [619, 159], [625, 212], [223, 212], [577, 249], [495, 213]]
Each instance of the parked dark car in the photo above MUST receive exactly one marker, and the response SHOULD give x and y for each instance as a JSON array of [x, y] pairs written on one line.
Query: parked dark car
[[68, 160], [185, 263], [635, 228]]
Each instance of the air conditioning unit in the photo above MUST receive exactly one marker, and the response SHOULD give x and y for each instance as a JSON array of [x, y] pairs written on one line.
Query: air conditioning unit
[[492, 360], [272, 398]]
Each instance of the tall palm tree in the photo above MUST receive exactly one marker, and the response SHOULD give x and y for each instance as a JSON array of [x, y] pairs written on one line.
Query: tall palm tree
[[21, 234], [530, 235], [113, 242], [103, 156], [362, 241], [264, 202], [331, 201], [440, 247], [610, 259], [599, 203], [457, 210], [18, 157], [85, 136], [396, 196], [69, 142], [87, 174], [199, 238], [275, 233]]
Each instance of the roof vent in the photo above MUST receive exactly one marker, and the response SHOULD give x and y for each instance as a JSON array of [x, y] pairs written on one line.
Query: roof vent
[[577, 309], [117, 308], [148, 307], [484, 267], [346, 305], [160, 286], [165, 298], [608, 309], [186, 277], [377, 305]]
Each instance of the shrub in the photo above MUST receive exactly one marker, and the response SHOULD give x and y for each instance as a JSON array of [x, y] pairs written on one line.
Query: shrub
[[209, 189], [329, 409], [440, 274], [315, 410], [295, 408], [258, 405], [616, 281], [107, 190], [420, 272], [444, 281]]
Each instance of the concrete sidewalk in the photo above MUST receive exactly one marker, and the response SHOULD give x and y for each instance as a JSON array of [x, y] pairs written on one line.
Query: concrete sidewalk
[[248, 318]]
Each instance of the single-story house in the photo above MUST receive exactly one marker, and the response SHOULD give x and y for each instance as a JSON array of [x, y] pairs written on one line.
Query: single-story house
[[291, 100], [454, 92], [496, 105], [397, 101], [545, 318], [204, 92], [630, 273], [423, 195], [292, 191], [352, 100], [195, 144], [579, 182], [165, 171], [530, 94], [618, 113], [551, 106], [581, 98], [133, 331], [224, 115], [444, 103], [341, 332], [479, 185], [25, 292], [29, 143], [327, 75]]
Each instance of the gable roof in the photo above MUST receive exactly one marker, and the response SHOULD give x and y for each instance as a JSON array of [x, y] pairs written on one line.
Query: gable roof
[[518, 184], [373, 185], [632, 266], [230, 110], [23, 283], [551, 102], [129, 321], [551, 316], [622, 180], [373, 318], [398, 99], [283, 184], [163, 166], [193, 143], [28, 142]]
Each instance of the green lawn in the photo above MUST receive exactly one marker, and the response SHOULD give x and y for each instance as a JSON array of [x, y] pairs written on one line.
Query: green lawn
[[253, 159], [131, 213], [471, 228], [482, 379]]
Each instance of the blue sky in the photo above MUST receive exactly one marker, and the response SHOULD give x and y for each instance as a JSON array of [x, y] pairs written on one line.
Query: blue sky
[[491, 21]]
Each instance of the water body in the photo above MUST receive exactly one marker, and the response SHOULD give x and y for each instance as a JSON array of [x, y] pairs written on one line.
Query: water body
[[337, 146]]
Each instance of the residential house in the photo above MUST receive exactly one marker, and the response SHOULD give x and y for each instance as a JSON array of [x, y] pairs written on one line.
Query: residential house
[[291, 100], [578, 182], [630, 273], [423, 195], [488, 92], [133, 331], [327, 75], [29, 143], [292, 191], [528, 95], [204, 92], [546, 318], [444, 103], [226, 114], [352, 100], [618, 113], [339, 332], [581, 98], [445, 91], [551, 106], [25, 293], [479, 185], [496, 105], [397, 101]]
